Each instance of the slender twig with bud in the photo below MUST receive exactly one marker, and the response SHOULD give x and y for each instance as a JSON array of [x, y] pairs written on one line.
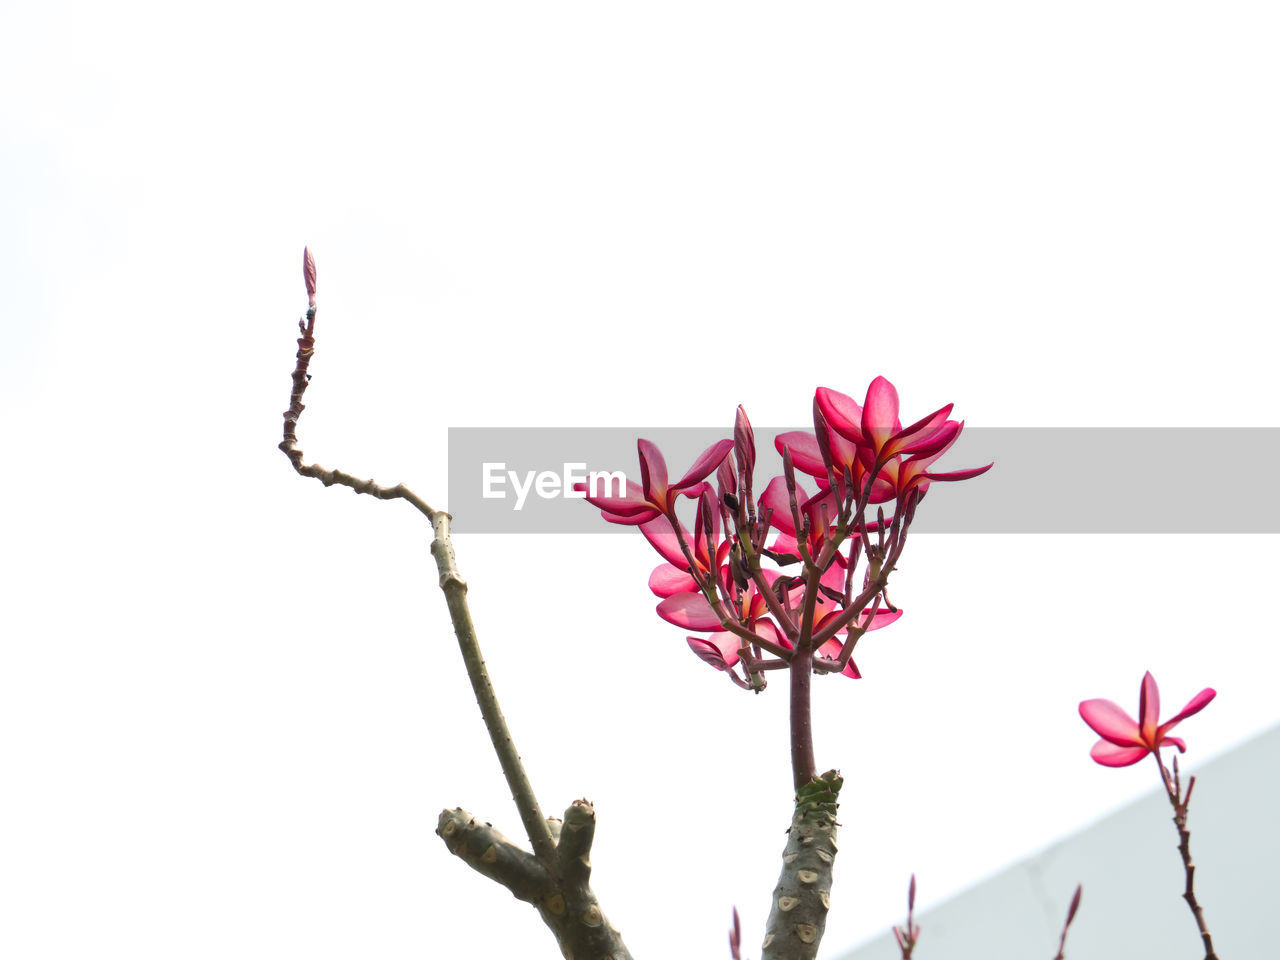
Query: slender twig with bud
[[1071, 915], [1126, 741], [554, 877], [908, 934]]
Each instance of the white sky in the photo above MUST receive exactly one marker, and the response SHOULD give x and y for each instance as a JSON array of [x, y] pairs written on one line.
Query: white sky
[[230, 701]]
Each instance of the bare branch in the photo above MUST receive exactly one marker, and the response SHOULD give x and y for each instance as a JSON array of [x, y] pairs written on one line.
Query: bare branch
[[1179, 801], [564, 900], [554, 879]]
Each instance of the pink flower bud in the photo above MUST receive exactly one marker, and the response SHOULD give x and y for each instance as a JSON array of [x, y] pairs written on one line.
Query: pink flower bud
[[309, 275]]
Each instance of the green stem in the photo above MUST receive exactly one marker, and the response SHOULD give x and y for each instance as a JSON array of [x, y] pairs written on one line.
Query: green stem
[[455, 591]]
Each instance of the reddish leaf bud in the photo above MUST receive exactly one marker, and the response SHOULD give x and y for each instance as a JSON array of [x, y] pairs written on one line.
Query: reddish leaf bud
[[309, 275], [726, 478], [1075, 904], [821, 434], [744, 445]]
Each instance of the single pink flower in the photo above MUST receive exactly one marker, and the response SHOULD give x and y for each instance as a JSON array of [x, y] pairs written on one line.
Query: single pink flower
[[654, 496], [877, 435], [1126, 741], [875, 426], [913, 473], [806, 454]]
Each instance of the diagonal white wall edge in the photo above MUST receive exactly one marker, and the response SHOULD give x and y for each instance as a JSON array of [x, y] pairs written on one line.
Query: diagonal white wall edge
[[1133, 880]]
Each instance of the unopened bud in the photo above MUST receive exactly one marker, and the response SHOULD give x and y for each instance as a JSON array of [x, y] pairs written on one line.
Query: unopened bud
[[309, 275], [737, 569], [1075, 904]]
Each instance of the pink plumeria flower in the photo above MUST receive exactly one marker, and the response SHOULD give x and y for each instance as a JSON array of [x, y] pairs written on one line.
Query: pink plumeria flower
[[1126, 741], [875, 426], [876, 433], [654, 497], [913, 473], [806, 454]]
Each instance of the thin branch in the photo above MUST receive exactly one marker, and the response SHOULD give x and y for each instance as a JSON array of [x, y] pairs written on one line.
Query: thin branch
[[454, 587], [1180, 801], [803, 768], [306, 348], [555, 877]]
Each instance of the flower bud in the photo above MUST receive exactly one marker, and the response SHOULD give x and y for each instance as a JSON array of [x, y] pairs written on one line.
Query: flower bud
[[309, 275]]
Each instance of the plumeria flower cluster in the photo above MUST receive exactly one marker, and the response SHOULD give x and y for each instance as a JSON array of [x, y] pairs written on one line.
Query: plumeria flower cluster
[[798, 573]]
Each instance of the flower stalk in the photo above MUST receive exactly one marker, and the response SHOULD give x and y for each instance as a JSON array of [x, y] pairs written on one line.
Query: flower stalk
[[1126, 741], [1179, 801]]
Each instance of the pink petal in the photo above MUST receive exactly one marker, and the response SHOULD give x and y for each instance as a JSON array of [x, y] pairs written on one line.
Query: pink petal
[[831, 651], [961, 474], [1111, 723], [668, 580], [632, 503], [662, 536], [880, 412], [769, 631], [1148, 709], [653, 472], [690, 611], [1174, 742], [632, 519], [843, 451], [882, 491], [883, 619], [805, 452], [1110, 755], [705, 465], [834, 578], [1198, 703], [842, 413], [935, 444], [786, 543], [777, 498], [720, 649], [920, 432]]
